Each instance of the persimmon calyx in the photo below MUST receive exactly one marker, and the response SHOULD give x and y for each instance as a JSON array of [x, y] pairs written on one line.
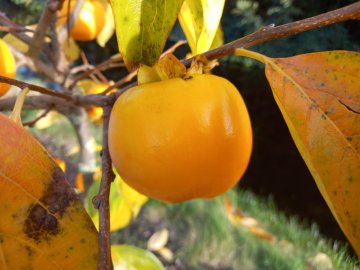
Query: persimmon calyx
[[168, 67], [200, 65]]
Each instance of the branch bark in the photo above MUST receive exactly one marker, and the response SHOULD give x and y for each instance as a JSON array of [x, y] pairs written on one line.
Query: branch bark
[[40, 31], [101, 201]]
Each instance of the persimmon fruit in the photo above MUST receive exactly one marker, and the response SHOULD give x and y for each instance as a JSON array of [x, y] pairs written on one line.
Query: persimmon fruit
[[7, 66], [90, 21], [181, 139]]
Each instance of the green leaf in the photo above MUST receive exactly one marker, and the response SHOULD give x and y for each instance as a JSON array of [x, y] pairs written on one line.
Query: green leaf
[[142, 28], [200, 20], [133, 258]]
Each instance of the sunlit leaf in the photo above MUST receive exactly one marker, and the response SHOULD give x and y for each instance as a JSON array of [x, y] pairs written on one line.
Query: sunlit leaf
[[71, 49], [134, 258], [43, 225], [166, 253], [158, 240], [319, 97], [200, 20], [142, 28], [50, 119], [133, 199], [109, 27], [16, 43], [125, 203]]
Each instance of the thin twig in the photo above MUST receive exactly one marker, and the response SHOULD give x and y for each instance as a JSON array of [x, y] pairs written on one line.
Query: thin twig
[[120, 82], [100, 67], [44, 114], [36, 88], [101, 201]]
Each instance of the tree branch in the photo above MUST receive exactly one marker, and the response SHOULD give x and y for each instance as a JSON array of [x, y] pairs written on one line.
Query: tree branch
[[40, 31], [36, 88], [101, 201], [268, 33]]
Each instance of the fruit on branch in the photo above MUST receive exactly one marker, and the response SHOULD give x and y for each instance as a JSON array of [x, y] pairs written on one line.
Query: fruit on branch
[[89, 22], [181, 139], [7, 66]]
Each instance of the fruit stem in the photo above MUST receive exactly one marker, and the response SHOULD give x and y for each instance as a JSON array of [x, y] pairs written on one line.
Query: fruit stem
[[16, 113], [254, 55]]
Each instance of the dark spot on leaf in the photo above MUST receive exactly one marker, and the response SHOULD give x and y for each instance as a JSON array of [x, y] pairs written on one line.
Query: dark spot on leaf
[[335, 193], [323, 116], [82, 240], [42, 220], [349, 138], [350, 179], [40, 224]]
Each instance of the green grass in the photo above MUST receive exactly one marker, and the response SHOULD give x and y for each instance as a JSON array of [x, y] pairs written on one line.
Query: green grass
[[202, 237]]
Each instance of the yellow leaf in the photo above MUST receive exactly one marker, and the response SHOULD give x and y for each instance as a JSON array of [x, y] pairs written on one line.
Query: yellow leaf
[[133, 258], [50, 119], [142, 28], [166, 253], [125, 204], [200, 21], [42, 222], [70, 49], [120, 213], [319, 97], [16, 43], [133, 199], [158, 240], [108, 28]]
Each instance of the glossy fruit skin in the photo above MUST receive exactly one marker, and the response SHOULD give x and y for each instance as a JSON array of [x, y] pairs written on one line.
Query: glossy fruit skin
[[177, 140], [7, 66], [90, 21]]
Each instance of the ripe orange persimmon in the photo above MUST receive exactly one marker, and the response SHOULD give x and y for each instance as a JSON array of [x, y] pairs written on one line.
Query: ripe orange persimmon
[[7, 66], [90, 21], [177, 139]]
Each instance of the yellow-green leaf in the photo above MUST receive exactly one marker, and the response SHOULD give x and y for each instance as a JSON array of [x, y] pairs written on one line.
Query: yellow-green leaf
[[71, 49], [319, 97], [108, 28], [142, 28], [43, 224], [134, 258], [200, 20], [125, 204]]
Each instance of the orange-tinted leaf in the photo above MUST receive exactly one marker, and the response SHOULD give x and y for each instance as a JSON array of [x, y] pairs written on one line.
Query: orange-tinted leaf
[[43, 225], [319, 97]]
